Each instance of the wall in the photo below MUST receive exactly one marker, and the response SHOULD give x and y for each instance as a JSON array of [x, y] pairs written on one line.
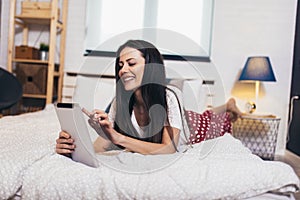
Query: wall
[[4, 33], [241, 29], [255, 27]]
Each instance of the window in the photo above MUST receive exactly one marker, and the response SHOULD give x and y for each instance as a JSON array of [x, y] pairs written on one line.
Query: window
[[176, 27]]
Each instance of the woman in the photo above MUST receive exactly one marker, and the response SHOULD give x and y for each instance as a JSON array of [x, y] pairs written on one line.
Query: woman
[[145, 116]]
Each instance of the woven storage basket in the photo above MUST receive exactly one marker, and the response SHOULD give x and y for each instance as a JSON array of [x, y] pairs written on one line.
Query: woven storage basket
[[33, 78], [258, 134]]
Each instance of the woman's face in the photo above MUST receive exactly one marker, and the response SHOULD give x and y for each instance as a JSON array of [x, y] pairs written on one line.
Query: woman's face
[[132, 65]]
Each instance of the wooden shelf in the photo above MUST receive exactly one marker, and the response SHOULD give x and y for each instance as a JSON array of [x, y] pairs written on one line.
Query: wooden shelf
[[36, 20], [38, 96], [52, 13], [42, 62], [30, 61]]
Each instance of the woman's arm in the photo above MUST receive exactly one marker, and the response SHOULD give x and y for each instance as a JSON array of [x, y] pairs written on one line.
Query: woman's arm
[[166, 147], [135, 145], [101, 144]]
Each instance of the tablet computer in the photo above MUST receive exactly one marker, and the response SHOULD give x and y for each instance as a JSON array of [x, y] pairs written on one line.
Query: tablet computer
[[73, 122]]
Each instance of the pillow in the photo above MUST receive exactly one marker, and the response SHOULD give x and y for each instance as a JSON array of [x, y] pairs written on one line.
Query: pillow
[[94, 92], [207, 125], [194, 93]]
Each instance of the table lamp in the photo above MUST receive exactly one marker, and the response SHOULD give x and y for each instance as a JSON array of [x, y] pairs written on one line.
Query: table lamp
[[257, 68]]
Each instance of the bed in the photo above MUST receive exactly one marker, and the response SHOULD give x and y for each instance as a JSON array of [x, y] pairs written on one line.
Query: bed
[[219, 168]]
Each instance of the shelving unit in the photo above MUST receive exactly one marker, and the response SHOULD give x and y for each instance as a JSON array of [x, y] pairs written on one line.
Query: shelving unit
[[56, 19]]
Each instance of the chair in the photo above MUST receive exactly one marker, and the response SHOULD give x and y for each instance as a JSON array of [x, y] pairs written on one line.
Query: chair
[[10, 89]]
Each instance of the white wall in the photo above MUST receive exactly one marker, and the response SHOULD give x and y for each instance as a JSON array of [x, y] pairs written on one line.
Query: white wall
[[257, 27], [241, 29], [4, 33]]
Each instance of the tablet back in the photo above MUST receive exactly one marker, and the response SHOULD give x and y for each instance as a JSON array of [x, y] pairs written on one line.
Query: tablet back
[[73, 122]]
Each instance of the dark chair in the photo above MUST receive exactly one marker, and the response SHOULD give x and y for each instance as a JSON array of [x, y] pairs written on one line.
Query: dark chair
[[10, 89]]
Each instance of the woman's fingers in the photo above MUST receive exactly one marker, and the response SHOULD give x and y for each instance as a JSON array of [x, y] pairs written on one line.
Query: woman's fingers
[[98, 113], [101, 116], [64, 134], [62, 148], [63, 151], [64, 144], [64, 141], [104, 122]]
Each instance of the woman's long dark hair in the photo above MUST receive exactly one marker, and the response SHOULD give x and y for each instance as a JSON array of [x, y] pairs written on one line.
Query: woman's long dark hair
[[153, 91]]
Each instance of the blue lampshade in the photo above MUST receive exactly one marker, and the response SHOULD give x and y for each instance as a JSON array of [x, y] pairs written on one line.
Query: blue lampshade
[[257, 68]]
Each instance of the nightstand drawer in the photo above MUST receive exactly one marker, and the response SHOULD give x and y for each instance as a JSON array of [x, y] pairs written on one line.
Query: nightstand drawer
[[258, 134]]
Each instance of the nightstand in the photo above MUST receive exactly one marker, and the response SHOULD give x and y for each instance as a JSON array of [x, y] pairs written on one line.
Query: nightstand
[[258, 133]]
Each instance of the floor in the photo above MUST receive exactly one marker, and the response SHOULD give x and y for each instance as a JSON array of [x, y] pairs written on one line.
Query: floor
[[293, 160]]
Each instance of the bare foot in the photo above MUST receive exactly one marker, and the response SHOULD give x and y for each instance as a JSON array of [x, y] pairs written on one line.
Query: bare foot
[[233, 110]]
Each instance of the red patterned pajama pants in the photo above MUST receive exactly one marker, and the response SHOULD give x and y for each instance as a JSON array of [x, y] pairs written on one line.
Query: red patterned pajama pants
[[207, 125]]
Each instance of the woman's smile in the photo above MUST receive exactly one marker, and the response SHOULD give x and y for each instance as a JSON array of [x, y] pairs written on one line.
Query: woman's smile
[[132, 65], [127, 78]]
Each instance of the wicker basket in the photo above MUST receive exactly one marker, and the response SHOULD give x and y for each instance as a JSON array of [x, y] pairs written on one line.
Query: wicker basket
[[258, 134], [33, 78]]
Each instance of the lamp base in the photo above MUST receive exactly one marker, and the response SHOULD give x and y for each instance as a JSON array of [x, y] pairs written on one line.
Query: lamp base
[[250, 107]]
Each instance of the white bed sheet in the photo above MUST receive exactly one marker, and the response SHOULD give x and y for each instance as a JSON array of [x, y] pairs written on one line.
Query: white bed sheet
[[221, 168]]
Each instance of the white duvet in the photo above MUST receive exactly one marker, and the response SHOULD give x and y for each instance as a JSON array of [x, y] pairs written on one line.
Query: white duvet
[[24, 139], [221, 168]]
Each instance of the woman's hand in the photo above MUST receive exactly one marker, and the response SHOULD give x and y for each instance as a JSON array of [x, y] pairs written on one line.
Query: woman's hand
[[65, 144], [107, 127]]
